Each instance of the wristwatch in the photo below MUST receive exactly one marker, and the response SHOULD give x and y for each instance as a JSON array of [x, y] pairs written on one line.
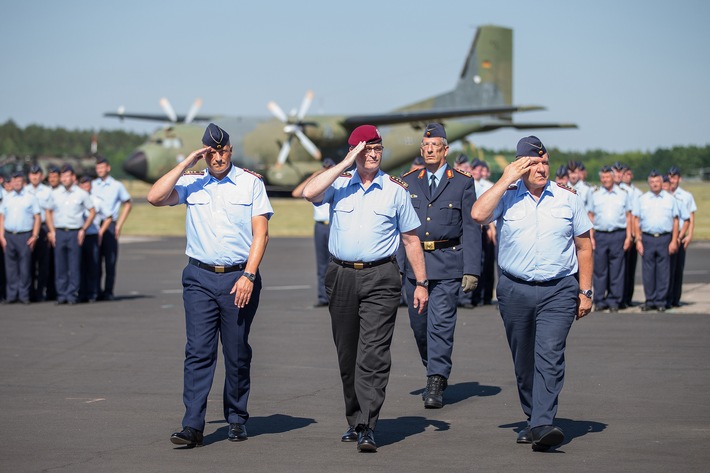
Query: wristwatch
[[250, 276], [424, 283], [587, 293]]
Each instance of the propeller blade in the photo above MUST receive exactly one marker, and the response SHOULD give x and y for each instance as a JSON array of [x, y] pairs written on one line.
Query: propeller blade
[[168, 109], [305, 105], [308, 144], [276, 111], [193, 111], [283, 154]]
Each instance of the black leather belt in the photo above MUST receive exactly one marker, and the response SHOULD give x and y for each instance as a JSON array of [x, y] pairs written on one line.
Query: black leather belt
[[20, 233], [656, 235], [550, 282], [438, 244], [610, 231], [217, 269], [68, 229], [323, 222], [362, 264]]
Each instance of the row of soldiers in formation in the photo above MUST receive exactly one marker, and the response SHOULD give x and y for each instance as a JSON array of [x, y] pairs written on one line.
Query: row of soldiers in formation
[[59, 237], [658, 224]]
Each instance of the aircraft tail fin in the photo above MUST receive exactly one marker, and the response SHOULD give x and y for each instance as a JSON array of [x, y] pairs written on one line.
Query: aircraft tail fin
[[486, 79]]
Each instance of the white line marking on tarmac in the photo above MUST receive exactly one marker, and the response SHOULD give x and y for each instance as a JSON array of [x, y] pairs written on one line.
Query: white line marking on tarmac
[[86, 400]]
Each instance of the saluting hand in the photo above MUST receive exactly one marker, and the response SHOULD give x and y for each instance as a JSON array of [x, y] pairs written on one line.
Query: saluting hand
[[354, 153], [516, 169], [195, 156], [242, 290]]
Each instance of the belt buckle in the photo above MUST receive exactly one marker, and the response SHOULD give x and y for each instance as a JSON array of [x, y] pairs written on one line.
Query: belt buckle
[[219, 269], [429, 245], [359, 265], [656, 235]]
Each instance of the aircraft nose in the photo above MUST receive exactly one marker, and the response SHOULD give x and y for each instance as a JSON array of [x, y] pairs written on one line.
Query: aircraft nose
[[136, 165]]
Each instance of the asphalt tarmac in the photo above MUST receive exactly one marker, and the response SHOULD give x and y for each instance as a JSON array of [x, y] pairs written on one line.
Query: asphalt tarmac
[[98, 387]]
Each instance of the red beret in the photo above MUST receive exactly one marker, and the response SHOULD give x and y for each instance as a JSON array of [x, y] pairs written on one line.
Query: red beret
[[366, 133]]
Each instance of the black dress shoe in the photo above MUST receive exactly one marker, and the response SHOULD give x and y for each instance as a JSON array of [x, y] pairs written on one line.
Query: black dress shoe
[[350, 435], [366, 440], [545, 437], [188, 437], [525, 436], [237, 432], [435, 387], [647, 307], [661, 308]]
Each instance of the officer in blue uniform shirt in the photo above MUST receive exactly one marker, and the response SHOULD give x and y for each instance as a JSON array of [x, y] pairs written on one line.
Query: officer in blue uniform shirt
[[442, 198], [609, 208], [630, 256], [656, 219], [67, 230], [227, 232], [117, 202], [40, 253], [545, 260], [369, 212], [19, 231], [686, 228]]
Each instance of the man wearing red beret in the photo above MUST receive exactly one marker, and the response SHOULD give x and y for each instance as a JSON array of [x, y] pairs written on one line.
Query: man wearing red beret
[[370, 212]]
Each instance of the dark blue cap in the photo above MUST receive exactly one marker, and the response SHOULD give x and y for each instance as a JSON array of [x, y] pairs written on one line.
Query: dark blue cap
[[434, 130], [101, 160], [461, 159], [52, 168], [654, 173], [67, 168], [581, 166], [666, 178], [35, 168], [484, 164], [617, 166], [476, 163], [606, 169], [83, 179], [530, 146], [418, 161], [215, 137], [328, 163], [562, 171], [17, 174], [674, 171]]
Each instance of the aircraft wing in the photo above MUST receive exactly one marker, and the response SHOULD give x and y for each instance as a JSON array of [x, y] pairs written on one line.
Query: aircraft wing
[[524, 126], [432, 115], [155, 117]]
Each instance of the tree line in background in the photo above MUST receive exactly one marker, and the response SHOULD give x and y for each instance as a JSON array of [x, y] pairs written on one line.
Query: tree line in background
[[36, 141]]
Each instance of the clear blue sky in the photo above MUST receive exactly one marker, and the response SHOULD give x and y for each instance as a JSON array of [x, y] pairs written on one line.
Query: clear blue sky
[[634, 75]]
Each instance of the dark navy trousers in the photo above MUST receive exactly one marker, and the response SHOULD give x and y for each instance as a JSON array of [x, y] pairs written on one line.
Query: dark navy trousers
[[537, 318], [18, 258], [210, 313], [609, 265], [434, 327], [321, 234], [90, 280], [630, 259], [109, 256], [675, 288], [67, 264], [656, 265]]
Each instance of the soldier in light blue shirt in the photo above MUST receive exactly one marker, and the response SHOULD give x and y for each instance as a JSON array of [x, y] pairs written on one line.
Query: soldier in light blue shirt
[[545, 258], [686, 227], [656, 220], [41, 252], [631, 255], [227, 231], [609, 209], [67, 229], [19, 231], [369, 211]]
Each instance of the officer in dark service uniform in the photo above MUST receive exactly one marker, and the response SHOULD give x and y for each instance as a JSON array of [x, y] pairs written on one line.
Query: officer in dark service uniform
[[442, 198], [227, 232], [19, 231], [545, 258], [369, 211]]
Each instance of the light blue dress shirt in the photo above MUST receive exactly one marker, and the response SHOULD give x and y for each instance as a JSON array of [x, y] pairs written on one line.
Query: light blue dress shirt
[[366, 223], [656, 212], [686, 198], [68, 206], [44, 196], [321, 213], [218, 222], [536, 238], [609, 208], [19, 210], [112, 193]]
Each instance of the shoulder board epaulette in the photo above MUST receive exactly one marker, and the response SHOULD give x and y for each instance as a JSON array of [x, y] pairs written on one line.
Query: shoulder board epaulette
[[465, 173], [192, 172], [399, 181], [409, 172], [346, 174], [259, 176], [566, 187], [512, 187], [422, 173]]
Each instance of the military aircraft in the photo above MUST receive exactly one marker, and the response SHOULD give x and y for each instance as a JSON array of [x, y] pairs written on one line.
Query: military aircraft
[[286, 148]]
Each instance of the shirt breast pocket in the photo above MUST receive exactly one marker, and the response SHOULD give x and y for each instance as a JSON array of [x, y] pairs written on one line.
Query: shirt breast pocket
[[451, 212], [385, 218], [198, 198], [342, 214], [238, 209]]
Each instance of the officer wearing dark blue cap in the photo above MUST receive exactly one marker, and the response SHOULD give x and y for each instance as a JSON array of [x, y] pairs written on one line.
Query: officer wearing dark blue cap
[[686, 228], [371, 214], [321, 234], [227, 232], [545, 261], [442, 198], [656, 218], [19, 231], [41, 251]]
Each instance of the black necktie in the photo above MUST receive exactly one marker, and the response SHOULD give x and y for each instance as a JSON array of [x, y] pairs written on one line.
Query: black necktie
[[432, 185]]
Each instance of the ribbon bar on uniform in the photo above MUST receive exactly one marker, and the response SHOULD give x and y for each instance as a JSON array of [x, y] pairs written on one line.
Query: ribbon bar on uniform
[[361, 264], [217, 269], [438, 244]]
